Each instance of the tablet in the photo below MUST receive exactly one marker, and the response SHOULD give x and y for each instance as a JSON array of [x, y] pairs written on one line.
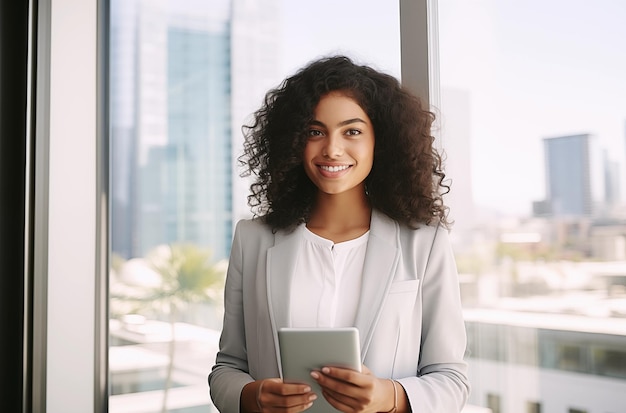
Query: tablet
[[303, 350]]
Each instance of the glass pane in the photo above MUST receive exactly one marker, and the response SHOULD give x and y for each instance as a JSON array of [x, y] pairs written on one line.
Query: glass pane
[[533, 121], [185, 75], [610, 362]]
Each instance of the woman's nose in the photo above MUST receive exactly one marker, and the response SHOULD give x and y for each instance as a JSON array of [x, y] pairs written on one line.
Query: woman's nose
[[333, 148]]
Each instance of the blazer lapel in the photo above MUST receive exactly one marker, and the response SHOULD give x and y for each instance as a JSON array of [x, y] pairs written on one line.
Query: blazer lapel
[[381, 260], [281, 264]]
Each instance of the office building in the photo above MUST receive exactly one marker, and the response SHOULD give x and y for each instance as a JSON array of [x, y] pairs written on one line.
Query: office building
[[534, 361], [179, 73], [574, 176]]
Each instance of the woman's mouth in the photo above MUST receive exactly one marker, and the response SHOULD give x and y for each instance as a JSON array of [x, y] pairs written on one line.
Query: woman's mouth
[[336, 168]]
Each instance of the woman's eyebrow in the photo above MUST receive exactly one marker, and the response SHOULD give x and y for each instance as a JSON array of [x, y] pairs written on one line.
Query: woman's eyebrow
[[349, 121], [342, 123]]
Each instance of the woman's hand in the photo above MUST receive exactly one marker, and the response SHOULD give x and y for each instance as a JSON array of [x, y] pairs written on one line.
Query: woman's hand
[[272, 395], [350, 391]]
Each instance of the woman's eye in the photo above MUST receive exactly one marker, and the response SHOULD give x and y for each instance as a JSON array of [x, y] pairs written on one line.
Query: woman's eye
[[315, 132], [352, 132]]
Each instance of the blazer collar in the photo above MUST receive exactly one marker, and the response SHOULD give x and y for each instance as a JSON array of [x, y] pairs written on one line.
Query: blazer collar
[[381, 260]]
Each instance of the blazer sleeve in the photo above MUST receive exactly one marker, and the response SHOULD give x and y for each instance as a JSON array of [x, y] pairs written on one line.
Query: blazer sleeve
[[441, 384], [230, 372]]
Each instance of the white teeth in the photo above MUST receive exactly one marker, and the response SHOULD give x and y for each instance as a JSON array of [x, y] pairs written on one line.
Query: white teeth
[[334, 168]]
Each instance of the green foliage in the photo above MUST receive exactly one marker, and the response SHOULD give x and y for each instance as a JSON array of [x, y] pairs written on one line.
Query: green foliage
[[180, 274], [187, 272]]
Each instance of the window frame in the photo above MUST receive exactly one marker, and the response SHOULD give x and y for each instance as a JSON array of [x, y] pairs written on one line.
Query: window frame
[[69, 372]]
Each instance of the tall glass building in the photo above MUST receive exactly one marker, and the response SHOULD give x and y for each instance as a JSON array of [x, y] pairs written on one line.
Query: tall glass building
[[196, 168], [574, 175], [180, 71]]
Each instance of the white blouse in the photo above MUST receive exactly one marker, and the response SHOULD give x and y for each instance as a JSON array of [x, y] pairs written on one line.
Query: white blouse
[[326, 286]]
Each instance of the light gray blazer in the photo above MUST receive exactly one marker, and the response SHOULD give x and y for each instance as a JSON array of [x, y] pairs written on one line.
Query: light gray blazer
[[409, 317]]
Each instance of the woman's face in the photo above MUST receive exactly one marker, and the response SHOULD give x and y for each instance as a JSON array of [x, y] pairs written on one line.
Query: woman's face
[[339, 152]]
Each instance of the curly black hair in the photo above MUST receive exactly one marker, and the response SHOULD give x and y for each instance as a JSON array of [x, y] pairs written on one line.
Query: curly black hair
[[406, 180]]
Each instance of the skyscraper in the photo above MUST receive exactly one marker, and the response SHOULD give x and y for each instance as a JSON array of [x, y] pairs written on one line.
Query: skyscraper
[[574, 175], [172, 122]]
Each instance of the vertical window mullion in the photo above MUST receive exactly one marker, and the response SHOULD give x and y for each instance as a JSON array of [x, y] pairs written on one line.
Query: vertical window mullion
[[72, 207], [419, 48]]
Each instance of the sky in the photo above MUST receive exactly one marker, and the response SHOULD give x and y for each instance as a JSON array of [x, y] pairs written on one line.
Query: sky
[[367, 30], [533, 69]]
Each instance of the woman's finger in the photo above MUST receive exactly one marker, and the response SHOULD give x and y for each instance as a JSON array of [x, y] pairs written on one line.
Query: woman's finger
[[274, 395]]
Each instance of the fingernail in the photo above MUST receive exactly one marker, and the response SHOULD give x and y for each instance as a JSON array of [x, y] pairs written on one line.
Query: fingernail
[[313, 397], [307, 389], [325, 370], [315, 375]]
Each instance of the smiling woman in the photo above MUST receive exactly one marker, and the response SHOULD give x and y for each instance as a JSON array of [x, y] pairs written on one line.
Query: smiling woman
[[351, 231]]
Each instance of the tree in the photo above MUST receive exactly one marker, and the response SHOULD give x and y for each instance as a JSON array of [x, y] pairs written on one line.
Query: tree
[[186, 275]]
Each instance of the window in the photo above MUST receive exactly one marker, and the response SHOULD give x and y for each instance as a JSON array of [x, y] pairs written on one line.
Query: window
[[570, 357], [538, 177], [610, 362], [185, 76]]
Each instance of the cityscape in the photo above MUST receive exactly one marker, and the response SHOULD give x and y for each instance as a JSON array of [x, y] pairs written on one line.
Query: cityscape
[[544, 292]]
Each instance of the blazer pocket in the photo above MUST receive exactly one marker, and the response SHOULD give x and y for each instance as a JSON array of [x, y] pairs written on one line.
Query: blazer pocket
[[404, 286]]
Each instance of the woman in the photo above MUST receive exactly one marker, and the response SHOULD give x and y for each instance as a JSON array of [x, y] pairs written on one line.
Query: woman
[[350, 230]]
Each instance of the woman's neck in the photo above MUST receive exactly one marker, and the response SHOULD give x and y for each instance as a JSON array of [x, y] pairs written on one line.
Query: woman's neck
[[340, 217]]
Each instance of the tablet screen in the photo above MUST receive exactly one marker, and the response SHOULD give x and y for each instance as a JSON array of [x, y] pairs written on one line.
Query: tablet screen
[[303, 350]]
